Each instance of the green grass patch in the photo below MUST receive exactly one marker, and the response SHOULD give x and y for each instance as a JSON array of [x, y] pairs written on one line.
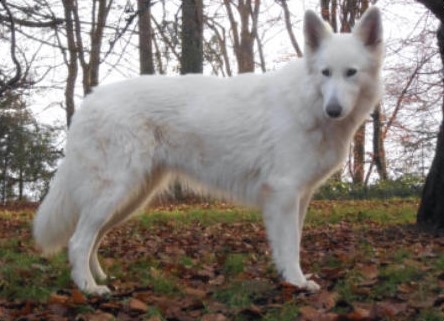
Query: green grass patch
[[288, 312], [404, 264], [359, 212], [431, 315], [18, 267], [205, 217], [234, 264], [242, 294], [439, 263], [391, 277]]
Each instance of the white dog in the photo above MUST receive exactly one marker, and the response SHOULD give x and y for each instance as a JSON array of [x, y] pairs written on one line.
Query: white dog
[[267, 140]]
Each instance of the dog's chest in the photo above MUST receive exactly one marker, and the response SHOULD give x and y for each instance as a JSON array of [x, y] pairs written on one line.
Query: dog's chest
[[324, 153]]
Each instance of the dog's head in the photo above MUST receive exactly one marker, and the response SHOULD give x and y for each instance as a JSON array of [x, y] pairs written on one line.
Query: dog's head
[[345, 67]]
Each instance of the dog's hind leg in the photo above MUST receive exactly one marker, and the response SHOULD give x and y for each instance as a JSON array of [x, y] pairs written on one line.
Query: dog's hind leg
[[143, 196], [81, 245], [93, 218]]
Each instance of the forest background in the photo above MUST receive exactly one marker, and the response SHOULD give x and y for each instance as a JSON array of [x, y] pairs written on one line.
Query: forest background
[[54, 52]]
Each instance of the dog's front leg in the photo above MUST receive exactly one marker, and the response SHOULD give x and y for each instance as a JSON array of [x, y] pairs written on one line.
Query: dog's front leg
[[281, 209]]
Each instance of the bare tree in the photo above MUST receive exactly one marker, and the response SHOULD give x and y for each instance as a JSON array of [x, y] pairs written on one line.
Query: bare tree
[[243, 39], [220, 38], [88, 59], [145, 37], [289, 27], [329, 11], [378, 145], [431, 210], [70, 59], [14, 81], [192, 37]]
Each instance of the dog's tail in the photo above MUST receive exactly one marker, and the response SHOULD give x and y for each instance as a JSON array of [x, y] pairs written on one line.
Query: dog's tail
[[56, 216]]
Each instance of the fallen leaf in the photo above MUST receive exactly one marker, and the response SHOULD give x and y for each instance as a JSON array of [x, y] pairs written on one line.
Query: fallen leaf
[[78, 297], [98, 316], [439, 301], [369, 272], [423, 303], [309, 313], [214, 317], [195, 292], [137, 305], [387, 309], [57, 299], [325, 300]]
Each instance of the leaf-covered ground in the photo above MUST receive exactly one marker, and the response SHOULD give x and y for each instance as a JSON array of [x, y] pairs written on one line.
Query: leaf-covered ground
[[212, 263]]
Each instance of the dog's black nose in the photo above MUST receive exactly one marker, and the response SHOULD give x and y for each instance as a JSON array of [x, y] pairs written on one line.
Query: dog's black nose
[[334, 110]]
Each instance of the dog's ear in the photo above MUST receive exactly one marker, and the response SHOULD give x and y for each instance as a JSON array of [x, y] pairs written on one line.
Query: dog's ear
[[315, 31], [369, 29]]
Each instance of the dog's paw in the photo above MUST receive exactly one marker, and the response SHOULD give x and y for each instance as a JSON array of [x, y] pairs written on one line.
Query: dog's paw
[[99, 290], [311, 286], [100, 275]]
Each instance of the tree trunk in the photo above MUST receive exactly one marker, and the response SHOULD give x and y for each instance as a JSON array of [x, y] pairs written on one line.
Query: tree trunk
[[70, 61], [91, 68], [191, 60], [431, 209], [145, 37], [351, 11], [21, 184], [359, 155], [378, 145], [192, 37], [243, 40]]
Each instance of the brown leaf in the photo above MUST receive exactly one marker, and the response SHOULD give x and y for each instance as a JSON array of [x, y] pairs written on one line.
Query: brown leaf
[[77, 297], [333, 273], [98, 316], [370, 271], [309, 313], [218, 280], [387, 309], [214, 317], [328, 317], [57, 299], [137, 305], [356, 315], [195, 292], [439, 301], [325, 300], [423, 303], [113, 306]]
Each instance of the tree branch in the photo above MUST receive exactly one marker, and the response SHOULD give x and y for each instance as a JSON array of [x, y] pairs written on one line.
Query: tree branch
[[14, 81], [32, 24]]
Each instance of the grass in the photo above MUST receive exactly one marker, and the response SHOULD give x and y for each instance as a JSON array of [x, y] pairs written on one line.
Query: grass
[[234, 264], [183, 217], [393, 276], [287, 312], [17, 265], [381, 212], [242, 294], [228, 244]]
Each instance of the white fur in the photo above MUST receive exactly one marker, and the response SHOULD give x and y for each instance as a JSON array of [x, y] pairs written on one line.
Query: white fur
[[265, 139]]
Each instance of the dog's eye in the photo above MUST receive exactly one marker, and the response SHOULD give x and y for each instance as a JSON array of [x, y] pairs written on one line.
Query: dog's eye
[[326, 72], [351, 72]]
